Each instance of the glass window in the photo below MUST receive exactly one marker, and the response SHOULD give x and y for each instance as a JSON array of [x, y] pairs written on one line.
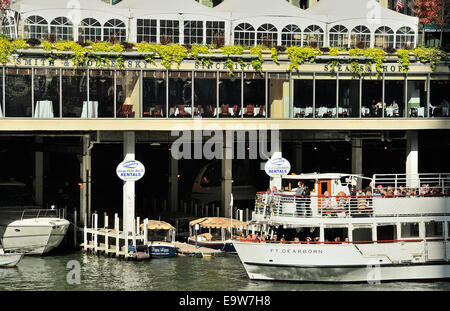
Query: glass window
[[434, 229], [62, 29], [46, 93], [146, 30], [205, 94], [416, 96], [394, 96], [244, 34], [128, 94], [348, 97], [193, 32], [303, 96], [18, 92], [180, 94], [440, 96], [114, 30], [154, 94], [362, 234], [90, 30], [313, 36], [35, 27], [169, 31], [279, 96], [326, 96], [267, 35], [101, 93], [291, 36], [410, 230], [404, 38], [338, 36], [372, 97], [386, 233], [360, 37], [74, 94], [8, 27], [384, 38], [215, 33], [229, 95], [254, 94]]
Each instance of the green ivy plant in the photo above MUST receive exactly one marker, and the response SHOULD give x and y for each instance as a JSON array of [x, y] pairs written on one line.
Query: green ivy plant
[[230, 50], [298, 55], [258, 61], [7, 48], [148, 48], [378, 58], [403, 59], [333, 62], [429, 55], [196, 50], [274, 55], [172, 53], [355, 67], [108, 47]]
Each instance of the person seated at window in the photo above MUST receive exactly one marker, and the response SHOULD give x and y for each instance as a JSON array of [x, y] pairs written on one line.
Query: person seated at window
[[337, 239], [296, 240], [308, 239], [282, 239], [394, 107], [275, 238]]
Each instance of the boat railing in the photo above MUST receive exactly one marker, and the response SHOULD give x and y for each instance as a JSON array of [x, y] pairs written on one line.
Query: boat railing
[[42, 213], [411, 184]]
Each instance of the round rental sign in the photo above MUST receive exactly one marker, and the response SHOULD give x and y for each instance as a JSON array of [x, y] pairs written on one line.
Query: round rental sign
[[130, 170], [277, 167]]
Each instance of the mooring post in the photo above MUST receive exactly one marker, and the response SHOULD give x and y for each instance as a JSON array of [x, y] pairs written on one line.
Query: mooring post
[[75, 227], [117, 230], [96, 232], [105, 220], [246, 214], [138, 222], [184, 208], [106, 225], [206, 210], [133, 232], [85, 237], [195, 209], [218, 211]]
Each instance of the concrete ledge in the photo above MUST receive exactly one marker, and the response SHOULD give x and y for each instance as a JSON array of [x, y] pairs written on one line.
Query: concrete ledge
[[28, 124]]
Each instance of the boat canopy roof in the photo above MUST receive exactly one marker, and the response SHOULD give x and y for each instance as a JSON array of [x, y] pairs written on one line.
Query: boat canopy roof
[[319, 176], [158, 225], [217, 222]]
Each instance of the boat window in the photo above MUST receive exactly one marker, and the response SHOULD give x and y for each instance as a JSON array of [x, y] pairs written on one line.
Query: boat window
[[434, 229], [362, 234], [410, 230], [335, 234], [158, 235], [386, 233]]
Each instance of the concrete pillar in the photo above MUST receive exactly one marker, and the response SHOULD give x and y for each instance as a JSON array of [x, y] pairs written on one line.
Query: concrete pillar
[[412, 159], [128, 186], [173, 189], [357, 158], [227, 175], [39, 175], [298, 158]]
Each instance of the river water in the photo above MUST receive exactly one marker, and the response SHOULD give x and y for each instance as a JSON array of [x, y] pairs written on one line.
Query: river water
[[180, 274]]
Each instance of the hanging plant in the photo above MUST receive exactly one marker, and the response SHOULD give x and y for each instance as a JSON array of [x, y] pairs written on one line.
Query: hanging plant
[[429, 55], [148, 48], [298, 55], [275, 55], [355, 67], [378, 56], [333, 62], [403, 59], [10, 47], [171, 53], [201, 49], [257, 62], [109, 48], [233, 50]]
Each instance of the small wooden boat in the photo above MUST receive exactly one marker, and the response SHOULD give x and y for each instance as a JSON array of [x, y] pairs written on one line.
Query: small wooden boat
[[220, 232], [160, 238], [9, 259]]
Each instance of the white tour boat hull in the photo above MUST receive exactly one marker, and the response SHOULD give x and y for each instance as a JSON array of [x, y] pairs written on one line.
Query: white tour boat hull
[[334, 263], [36, 236]]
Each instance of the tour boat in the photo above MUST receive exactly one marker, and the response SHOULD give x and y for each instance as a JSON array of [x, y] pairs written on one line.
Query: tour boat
[[396, 229], [24, 226], [215, 239], [160, 239], [9, 259]]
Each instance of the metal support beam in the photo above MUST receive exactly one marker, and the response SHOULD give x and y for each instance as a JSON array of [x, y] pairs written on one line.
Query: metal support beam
[[412, 159], [227, 175], [173, 180], [128, 186], [357, 158], [39, 174]]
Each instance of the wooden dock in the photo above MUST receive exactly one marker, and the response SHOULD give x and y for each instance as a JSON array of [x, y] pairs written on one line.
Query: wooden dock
[[185, 249]]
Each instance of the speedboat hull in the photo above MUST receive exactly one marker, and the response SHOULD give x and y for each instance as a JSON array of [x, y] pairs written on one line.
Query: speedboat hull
[[10, 260], [162, 250], [35, 236], [226, 246]]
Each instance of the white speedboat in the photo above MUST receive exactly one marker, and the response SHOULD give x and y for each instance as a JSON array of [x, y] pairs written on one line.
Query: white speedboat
[[9, 259], [25, 227], [397, 229]]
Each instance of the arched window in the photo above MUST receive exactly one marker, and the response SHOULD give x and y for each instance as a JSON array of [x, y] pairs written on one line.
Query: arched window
[[267, 35], [90, 29], [114, 29], [244, 34], [338, 36], [62, 28], [360, 37], [313, 36], [404, 38], [384, 38], [9, 27], [35, 27], [291, 35]]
